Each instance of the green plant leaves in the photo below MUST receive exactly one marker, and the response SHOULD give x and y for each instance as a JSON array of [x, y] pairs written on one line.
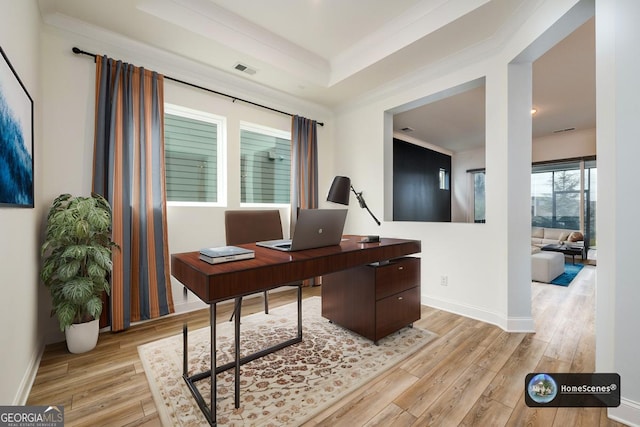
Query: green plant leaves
[[66, 312], [94, 307], [81, 229], [75, 252], [67, 271], [78, 290]]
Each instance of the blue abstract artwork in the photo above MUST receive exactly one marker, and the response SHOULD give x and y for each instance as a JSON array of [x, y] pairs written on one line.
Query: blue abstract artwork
[[16, 139]]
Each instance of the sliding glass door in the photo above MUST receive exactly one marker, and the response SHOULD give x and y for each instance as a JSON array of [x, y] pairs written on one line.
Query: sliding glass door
[[563, 196]]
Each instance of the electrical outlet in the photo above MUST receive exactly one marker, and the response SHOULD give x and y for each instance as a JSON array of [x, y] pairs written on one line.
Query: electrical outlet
[[444, 280]]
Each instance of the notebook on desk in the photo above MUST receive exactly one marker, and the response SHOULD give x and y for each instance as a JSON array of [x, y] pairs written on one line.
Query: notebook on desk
[[315, 228]]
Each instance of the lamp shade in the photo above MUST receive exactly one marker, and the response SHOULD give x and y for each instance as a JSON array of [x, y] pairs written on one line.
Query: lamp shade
[[339, 191]]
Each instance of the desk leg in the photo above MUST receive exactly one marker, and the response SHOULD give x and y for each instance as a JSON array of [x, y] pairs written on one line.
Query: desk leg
[[185, 363], [237, 352], [214, 383], [185, 366], [299, 313], [210, 412]]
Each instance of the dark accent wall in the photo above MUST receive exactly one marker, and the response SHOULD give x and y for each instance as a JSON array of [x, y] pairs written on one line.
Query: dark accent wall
[[416, 184]]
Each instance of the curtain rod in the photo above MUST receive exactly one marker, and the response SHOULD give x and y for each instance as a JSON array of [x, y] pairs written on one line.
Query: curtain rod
[[79, 51]]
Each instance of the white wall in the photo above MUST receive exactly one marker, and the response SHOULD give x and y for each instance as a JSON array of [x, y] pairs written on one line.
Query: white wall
[[479, 288], [566, 145], [618, 293], [20, 228]]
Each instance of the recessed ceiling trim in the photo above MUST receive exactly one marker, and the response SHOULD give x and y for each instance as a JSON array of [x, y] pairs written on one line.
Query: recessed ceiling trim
[[213, 22], [417, 22]]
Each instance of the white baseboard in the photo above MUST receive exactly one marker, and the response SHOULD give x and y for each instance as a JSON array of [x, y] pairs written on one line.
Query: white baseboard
[[627, 413], [520, 324], [22, 394], [509, 324]]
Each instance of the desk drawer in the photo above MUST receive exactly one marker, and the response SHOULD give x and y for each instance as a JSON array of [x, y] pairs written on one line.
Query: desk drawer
[[397, 311], [397, 276]]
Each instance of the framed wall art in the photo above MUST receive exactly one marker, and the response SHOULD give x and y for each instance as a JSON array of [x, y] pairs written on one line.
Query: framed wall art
[[16, 139]]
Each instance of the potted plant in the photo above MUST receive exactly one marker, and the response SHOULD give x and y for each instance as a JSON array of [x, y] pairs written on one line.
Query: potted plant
[[76, 264]]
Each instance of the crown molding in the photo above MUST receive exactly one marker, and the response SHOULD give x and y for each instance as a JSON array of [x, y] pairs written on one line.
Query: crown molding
[[116, 45], [417, 22], [205, 18]]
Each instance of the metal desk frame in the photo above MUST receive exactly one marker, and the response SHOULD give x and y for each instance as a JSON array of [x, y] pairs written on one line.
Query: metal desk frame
[[210, 411]]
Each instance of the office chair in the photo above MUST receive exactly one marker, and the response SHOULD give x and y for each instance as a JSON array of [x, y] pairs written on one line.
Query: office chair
[[249, 226]]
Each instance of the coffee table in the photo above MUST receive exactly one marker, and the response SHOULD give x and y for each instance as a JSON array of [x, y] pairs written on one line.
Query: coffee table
[[566, 249]]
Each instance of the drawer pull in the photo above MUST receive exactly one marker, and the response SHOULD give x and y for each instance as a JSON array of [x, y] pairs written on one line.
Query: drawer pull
[[401, 268], [400, 298]]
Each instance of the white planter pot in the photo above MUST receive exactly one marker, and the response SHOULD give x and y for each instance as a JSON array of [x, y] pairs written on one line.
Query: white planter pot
[[82, 337]]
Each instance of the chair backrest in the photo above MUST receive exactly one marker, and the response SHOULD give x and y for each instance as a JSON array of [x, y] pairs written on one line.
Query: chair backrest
[[248, 226]]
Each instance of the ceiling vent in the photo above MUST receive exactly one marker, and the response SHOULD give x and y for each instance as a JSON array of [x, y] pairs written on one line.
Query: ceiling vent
[[407, 129], [564, 130], [244, 68]]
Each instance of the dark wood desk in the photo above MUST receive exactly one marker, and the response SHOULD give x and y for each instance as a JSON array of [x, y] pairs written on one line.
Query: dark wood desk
[[269, 269]]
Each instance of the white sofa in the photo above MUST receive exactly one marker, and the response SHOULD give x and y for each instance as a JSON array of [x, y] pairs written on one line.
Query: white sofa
[[542, 236]]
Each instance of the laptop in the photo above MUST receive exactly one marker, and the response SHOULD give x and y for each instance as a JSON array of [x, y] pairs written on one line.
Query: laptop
[[315, 228]]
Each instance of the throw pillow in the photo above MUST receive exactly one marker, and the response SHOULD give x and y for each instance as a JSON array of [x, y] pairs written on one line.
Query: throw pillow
[[576, 236]]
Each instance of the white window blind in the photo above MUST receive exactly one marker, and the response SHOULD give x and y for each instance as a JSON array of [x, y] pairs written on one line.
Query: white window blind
[[265, 165], [192, 155]]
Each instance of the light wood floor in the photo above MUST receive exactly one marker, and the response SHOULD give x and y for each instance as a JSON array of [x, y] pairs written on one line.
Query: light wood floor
[[472, 374]]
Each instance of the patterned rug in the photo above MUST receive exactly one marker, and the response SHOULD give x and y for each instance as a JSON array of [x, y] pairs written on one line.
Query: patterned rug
[[283, 388]]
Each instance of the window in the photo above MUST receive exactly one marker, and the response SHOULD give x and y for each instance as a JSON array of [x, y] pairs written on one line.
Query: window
[[555, 195], [443, 178], [478, 197], [563, 195], [591, 179], [265, 165], [194, 151]]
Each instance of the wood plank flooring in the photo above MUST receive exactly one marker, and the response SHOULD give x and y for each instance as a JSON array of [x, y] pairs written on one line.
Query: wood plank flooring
[[471, 375]]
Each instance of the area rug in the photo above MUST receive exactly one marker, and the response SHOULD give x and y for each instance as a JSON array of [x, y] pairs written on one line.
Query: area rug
[[285, 388], [570, 273]]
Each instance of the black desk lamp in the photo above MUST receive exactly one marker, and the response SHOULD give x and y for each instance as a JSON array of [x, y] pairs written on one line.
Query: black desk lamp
[[339, 193]]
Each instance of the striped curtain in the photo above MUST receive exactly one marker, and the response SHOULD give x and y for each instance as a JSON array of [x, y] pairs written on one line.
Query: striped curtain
[[128, 170], [304, 171], [304, 166]]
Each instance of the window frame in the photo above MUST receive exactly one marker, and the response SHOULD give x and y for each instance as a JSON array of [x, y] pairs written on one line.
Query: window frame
[[221, 148], [269, 131]]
